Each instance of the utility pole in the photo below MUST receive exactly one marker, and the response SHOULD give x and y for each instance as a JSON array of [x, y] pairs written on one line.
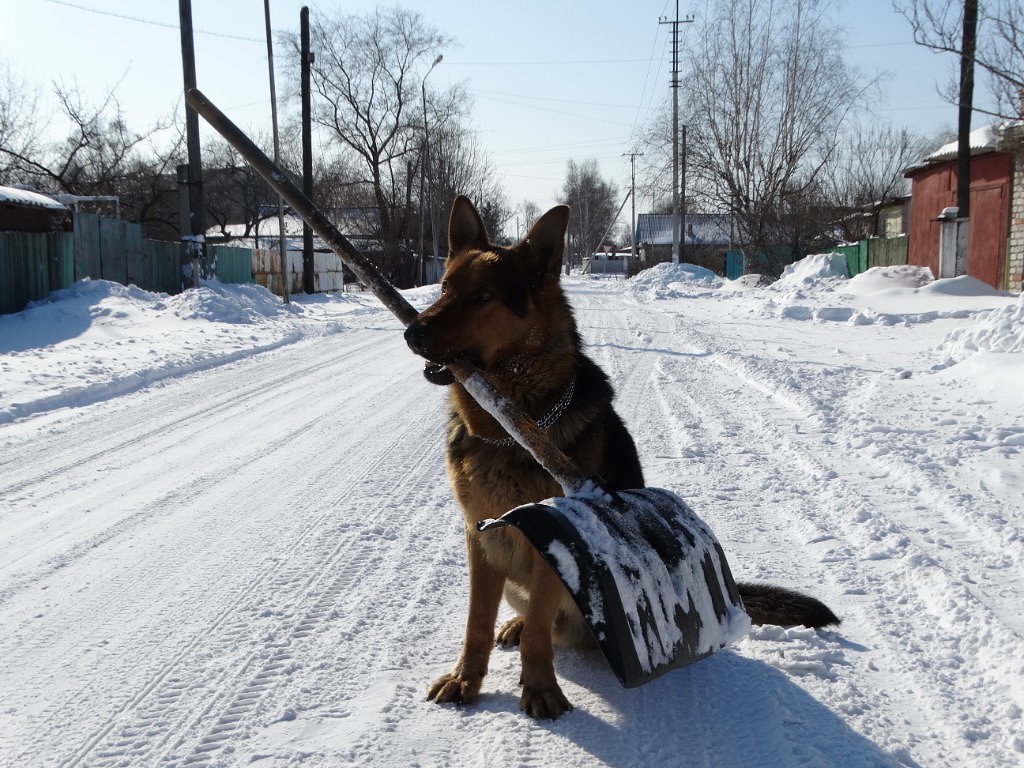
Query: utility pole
[[308, 280], [963, 158], [674, 85], [425, 174], [682, 198], [632, 191], [277, 155], [193, 230]]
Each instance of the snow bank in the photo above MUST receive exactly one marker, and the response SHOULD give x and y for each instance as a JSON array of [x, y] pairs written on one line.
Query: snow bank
[[99, 339], [815, 270], [243, 304], [884, 279], [1001, 330], [671, 281]]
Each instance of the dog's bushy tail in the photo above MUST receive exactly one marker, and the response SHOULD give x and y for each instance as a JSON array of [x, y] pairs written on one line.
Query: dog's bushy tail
[[768, 604]]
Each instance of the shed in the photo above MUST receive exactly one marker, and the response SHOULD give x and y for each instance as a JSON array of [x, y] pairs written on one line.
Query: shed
[[22, 210], [933, 189]]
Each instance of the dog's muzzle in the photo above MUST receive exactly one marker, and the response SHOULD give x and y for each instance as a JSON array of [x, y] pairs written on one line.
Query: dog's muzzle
[[417, 336]]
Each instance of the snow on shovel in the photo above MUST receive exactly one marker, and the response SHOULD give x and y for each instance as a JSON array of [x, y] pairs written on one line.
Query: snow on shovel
[[648, 575]]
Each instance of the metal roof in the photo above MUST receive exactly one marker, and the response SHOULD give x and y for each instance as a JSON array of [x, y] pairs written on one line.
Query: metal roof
[[24, 197], [701, 229]]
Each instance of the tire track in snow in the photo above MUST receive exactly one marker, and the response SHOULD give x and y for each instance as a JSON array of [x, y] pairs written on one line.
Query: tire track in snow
[[154, 448], [26, 464], [163, 677], [355, 562], [333, 563], [837, 517]]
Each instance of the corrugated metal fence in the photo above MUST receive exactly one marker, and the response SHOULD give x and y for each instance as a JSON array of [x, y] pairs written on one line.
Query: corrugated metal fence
[[33, 264], [113, 249]]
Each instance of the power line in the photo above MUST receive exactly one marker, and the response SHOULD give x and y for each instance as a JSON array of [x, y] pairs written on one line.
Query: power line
[[150, 22]]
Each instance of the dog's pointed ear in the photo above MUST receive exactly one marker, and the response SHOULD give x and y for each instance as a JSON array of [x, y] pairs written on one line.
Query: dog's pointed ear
[[547, 240], [465, 227]]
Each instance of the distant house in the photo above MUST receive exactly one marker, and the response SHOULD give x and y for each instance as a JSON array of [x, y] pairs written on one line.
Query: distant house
[[894, 217], [887, 219], [997, 188], [607, 263], [708, 237], [360, 225]]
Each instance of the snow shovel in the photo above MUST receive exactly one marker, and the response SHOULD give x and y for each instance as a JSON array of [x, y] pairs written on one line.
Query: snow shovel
[[648, 575]]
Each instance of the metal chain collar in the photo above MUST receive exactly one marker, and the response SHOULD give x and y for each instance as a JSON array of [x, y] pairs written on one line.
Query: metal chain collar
[[545, 422]]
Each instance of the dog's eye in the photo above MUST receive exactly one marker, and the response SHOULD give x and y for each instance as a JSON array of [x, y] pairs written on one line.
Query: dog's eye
[[482, 296]]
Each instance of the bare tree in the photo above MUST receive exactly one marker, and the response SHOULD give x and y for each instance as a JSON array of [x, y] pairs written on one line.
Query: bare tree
[[233, 193], [148, 191], [592, 200], [867, 172], [99, 153], [999, 49], [20, 136], [767, 92], [461, 166], [366, 77]]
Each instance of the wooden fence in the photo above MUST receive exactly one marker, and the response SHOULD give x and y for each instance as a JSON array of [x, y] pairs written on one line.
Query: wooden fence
[[231, 264], [33, 264], [114, 249], [875, 252]]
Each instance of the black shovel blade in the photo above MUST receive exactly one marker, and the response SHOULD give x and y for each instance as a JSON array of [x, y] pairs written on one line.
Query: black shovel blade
[[648, 575]]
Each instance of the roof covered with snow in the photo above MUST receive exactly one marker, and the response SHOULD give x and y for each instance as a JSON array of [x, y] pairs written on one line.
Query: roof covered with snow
[[701, 228], [984, 139], [23, 197]]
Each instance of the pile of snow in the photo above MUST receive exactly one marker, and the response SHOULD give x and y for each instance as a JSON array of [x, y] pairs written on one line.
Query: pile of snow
[[670, 281], [747, 282], [99, 339], [244, 304], [881, 280], [1001, 330], [815, 270]]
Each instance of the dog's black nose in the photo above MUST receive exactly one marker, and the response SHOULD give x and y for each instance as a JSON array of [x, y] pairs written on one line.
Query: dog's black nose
[[417, 336]]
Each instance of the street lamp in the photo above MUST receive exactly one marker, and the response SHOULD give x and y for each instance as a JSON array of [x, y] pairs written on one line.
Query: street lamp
[[426, 180]]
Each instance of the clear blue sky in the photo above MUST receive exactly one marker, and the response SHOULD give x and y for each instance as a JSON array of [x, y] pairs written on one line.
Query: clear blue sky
[[551, 80]]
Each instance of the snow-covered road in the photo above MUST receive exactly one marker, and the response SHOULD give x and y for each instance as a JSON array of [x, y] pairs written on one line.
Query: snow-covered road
[[227, 536]]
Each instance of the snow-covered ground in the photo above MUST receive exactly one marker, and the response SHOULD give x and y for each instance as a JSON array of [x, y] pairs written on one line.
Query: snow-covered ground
[[227, 539]]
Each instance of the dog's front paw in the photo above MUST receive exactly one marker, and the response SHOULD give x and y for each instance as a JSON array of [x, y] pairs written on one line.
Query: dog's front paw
[[510, 633], [454, 688], [547, 704]]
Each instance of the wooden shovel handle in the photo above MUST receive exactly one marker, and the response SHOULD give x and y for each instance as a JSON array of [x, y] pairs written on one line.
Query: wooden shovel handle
[[512, 418]]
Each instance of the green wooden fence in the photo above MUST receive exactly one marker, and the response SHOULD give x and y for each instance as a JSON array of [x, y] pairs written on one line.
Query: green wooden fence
[[875, 252], [856, 257], [231, 264], [113, 249], [32, 265], [887, 251]]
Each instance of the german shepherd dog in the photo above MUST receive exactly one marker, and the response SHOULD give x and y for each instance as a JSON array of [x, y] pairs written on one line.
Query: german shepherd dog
[[503, 310]]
